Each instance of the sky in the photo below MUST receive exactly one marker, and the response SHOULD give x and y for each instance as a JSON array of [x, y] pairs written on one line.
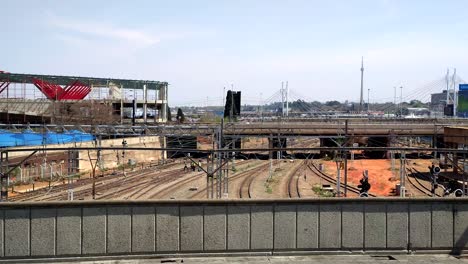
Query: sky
[[201, 46]]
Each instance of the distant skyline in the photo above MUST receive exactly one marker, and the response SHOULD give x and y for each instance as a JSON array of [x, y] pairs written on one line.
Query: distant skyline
[[199, 47]]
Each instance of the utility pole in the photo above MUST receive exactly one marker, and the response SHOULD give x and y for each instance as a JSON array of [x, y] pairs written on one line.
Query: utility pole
[[394, 101], [220, 161], [368, 101], [448, 87], [362, 85], [231, 109], [72, 155], [261, 105], [455, 95], [402, 174], [346, 161], [282, 98], [287, 99], [224, 94], [338, 161], [401, 100]]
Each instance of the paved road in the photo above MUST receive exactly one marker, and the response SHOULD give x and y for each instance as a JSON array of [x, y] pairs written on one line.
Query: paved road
[[316, 259]]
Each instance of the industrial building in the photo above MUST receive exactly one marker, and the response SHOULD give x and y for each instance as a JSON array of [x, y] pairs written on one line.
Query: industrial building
[[32, 98]]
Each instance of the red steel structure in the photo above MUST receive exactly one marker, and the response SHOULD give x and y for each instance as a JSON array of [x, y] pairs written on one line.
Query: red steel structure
[[74, 91]]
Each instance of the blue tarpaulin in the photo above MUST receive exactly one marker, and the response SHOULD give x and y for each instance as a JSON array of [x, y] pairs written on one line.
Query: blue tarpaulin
[[31, 138]]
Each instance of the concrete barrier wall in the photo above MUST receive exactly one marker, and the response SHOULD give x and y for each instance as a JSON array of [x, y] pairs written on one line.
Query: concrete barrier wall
[[162, 227]]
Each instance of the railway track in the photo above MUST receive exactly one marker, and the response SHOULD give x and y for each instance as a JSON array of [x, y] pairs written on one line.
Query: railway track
[[53, 190], [247, 174], [45, 193], [245, 189], [417, 184], [83, 187], [137, 185], [170, 189], [293, 182], [103, 187], [178, 185], [331, 180]]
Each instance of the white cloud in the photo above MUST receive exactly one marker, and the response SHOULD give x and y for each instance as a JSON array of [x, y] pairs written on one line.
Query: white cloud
[[93, 29]]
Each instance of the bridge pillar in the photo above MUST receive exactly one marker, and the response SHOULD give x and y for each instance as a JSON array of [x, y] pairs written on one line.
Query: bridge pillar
[[163, 141], [276, 142]]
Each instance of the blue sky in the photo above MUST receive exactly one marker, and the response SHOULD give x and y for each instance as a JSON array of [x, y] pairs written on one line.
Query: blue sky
[[201, 46]]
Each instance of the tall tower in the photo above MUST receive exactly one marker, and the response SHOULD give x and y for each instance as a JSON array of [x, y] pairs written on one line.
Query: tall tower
[[361, 107]]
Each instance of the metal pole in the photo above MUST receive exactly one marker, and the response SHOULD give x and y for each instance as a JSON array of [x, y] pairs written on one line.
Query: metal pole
[[455, 93], [220, 157], [346, 161], [231, 109], [282, 98], [145, 105], [402, 174], [121, 104], [224, 94], [287, 99], [362, 86], [448, 91], [401, 100], [338, 179], [368, 101]]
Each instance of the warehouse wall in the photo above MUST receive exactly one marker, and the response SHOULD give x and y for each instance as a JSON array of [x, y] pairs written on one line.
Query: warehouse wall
[[161, 227]]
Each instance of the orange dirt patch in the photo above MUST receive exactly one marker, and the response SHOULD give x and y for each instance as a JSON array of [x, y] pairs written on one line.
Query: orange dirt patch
[[380, 175]]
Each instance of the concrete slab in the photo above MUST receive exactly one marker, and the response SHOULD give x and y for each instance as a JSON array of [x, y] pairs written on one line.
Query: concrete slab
[[353, 226], [397, 225], [238, 227], [375, 226], [261, 231], [191, 228], [17, 236], [442, 226], [307, 226], [119, 229], [2, 228], [68, 231], [460, 235], [94, 230], [285, 227], [330, 226], [214, 226], [303, 259], [167, 228], [143, 229], [43, 232], [420, 226]]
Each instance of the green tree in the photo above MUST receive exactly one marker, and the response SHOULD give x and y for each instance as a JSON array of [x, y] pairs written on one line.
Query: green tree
[[169, 116], [180, 116]]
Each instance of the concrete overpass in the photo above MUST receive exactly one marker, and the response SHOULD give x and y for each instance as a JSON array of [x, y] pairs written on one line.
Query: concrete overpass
[[309, 127]]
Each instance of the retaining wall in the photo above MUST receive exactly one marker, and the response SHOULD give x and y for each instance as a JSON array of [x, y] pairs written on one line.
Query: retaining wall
[[61, 229]]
